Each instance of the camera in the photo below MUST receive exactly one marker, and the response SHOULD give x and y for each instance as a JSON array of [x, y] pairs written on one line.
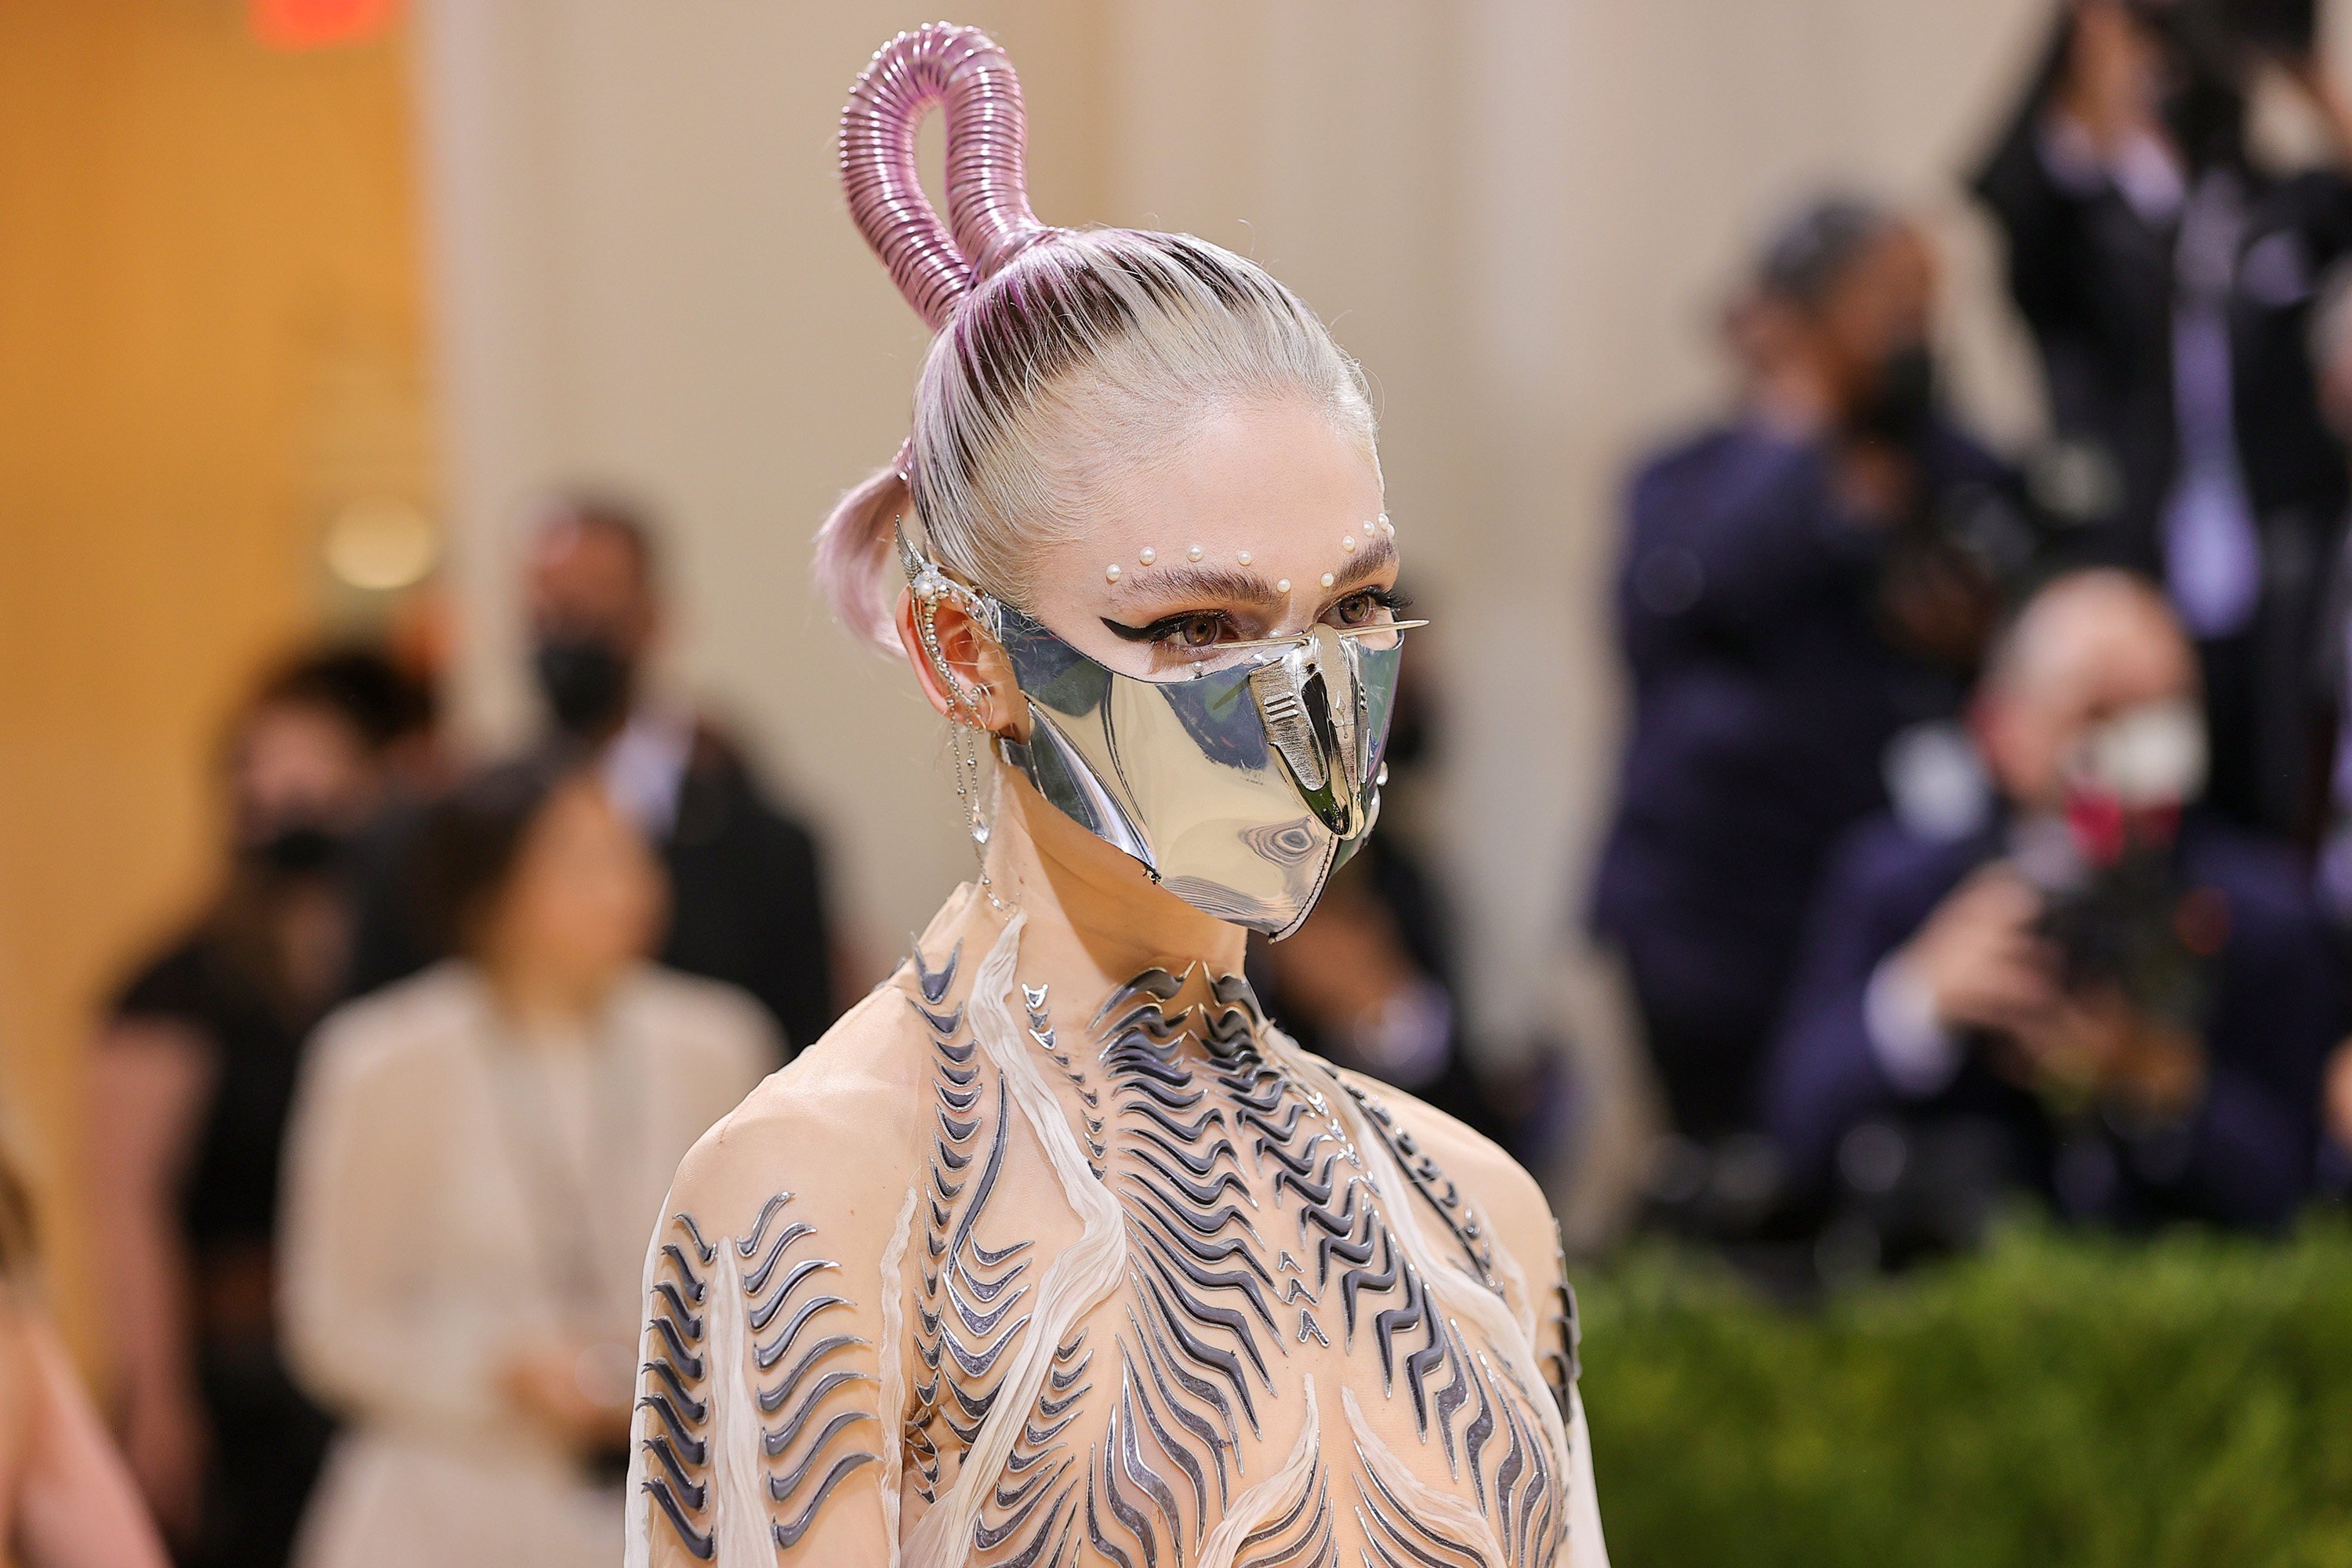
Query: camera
[[2130, 924]]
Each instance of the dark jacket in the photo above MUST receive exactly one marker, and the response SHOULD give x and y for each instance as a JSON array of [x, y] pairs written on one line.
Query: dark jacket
[[2095, 283], [1764, 695], [747, 896], [2245, 1157]]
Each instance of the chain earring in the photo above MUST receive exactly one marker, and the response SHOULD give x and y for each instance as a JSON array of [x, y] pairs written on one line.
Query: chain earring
[[931, 586]]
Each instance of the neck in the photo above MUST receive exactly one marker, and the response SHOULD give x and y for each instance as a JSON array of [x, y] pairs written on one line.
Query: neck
[[539, 999], [1094, 918]]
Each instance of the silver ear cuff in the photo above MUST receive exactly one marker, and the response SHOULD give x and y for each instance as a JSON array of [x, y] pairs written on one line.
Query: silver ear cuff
[[931, 587]]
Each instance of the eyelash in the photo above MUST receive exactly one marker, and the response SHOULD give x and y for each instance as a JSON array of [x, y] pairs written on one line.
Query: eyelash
[[1389, 599], [1162, 633]]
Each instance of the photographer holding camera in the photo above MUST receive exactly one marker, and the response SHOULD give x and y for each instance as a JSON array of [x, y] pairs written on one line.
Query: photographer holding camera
[[1800, 583], [2104, 995], [2168, 276]]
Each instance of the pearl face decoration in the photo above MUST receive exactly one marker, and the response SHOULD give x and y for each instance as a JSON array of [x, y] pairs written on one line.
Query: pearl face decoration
[[1347, 543], [1148, 555], [1283, 586], [1194, 554], [1110, 572], [1328, 579], [1244, 558]]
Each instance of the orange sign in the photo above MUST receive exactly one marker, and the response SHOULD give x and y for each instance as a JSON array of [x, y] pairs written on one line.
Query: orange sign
[[319, 24]]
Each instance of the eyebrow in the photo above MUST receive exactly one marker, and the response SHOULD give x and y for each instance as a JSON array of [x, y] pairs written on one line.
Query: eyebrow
[[1223, 582], [1377, 552], [1175, 584]]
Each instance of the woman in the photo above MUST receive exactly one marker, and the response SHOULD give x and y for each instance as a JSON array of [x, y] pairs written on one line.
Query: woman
[[1055, 1250], [66, 1500], [190, 1079], [474, 1157]]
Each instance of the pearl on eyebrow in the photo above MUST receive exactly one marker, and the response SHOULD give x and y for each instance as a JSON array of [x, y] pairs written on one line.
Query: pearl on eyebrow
[[1148, 555], [1283, 586], [1111, 571], [1328, 579], [1194, 554], [1347, 543]]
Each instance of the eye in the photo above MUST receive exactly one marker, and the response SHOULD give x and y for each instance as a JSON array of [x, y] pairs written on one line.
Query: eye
[[1205, 630], [1369, 606], [1189, 631]]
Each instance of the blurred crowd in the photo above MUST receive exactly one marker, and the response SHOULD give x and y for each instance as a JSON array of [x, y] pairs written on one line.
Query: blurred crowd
[[1984, 836], [378, 1133], [1982, 823]]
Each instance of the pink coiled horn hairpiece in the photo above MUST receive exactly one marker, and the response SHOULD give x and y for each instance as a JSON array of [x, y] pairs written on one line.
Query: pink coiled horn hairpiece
[[989, 220]]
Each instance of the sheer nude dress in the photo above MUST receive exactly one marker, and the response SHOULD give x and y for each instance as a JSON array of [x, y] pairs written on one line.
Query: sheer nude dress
[[997, 1275]]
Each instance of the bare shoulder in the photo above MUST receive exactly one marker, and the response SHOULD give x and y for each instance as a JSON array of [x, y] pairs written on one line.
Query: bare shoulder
[[1495, 1185], [841, 1129]]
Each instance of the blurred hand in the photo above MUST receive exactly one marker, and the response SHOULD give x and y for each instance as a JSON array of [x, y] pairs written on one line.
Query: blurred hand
[[544, 1383], [1939, 603], [1878, 481], [1978, 957], [2337, 1096], [2108, 86], [2097, 1045], [166, 1443]]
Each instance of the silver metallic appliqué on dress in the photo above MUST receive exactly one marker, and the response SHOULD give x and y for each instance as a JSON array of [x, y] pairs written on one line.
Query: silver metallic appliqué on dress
[[1248, 1213]]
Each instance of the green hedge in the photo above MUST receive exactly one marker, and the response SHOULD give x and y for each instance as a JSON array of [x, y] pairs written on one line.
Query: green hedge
[[2058, 1401]]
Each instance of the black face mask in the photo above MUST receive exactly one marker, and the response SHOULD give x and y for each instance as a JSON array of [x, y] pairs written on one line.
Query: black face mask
[[2207, 121], [2204, 108], [585, 681], [1901, 402], [297, 849]]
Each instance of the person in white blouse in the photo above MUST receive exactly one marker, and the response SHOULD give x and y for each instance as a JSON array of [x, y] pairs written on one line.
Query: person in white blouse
[[476, 1157]]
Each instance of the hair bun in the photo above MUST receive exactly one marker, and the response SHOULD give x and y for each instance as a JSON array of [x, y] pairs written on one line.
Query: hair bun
[[961, 69]]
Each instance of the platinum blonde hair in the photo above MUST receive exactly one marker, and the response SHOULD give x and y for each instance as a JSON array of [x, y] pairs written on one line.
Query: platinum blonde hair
[[1063, 359]]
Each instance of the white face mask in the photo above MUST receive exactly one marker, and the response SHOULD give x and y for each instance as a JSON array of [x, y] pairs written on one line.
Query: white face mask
[[2146, 757]]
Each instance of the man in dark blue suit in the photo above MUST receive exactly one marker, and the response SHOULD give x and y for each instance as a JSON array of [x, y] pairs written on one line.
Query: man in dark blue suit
[[1799, 586], [2101, 996], [2167, 275]]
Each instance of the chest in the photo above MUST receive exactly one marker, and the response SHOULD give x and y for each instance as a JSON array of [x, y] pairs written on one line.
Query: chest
[[1281, 1318]]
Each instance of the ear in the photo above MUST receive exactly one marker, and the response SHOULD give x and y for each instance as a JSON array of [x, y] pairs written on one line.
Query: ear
[[977, 661], [1989, 723]]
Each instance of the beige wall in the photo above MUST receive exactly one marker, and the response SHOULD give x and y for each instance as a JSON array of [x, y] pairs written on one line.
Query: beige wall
[[1515, 212], [208, 331]]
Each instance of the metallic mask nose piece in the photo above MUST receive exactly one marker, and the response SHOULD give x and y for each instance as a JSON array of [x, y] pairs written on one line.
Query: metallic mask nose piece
[[1313, 704]]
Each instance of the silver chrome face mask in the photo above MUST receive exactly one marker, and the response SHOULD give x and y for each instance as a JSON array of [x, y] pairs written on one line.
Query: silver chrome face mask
[[1240, 788]]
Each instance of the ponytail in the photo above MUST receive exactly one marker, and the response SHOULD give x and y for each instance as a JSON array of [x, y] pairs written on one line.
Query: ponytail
[[856, 566]]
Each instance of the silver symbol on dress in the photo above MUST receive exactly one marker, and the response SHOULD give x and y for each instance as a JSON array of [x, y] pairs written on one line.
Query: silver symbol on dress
[[679, 1374]]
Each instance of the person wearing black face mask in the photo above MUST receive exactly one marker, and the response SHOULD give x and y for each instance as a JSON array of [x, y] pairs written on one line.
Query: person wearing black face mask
[[747, 896], [1790, 602], [585, 680], [2166, 275], [191, 1076]]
